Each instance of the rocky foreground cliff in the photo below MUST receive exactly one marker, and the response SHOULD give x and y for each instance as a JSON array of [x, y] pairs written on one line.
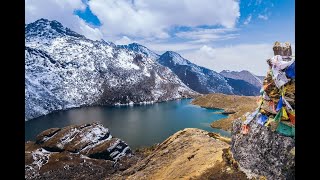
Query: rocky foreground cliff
[[90, 152]]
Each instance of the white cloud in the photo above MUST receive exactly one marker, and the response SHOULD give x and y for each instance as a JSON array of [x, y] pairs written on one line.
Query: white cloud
[[123, 41], [162, 47], [251, 57], [61, 11], [206, 35], [264, 17], [247, 21], [145, 18]]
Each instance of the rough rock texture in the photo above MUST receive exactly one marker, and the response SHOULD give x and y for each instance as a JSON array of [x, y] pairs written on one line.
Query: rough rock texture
[[92, 140], [188, 154], [64, 153], [263, 152], [64, 69]]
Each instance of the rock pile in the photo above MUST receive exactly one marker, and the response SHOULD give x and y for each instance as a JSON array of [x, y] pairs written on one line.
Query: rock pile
[[263, 142], [277, 101]]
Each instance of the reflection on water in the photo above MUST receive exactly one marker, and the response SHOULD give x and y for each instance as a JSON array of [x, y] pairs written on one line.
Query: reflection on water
[[141, 125]]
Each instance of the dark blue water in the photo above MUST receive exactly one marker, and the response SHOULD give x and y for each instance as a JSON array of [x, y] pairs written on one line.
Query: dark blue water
[[140, 125]]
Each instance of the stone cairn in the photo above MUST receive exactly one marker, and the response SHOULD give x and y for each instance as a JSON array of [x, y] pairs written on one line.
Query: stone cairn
[[276, 104]]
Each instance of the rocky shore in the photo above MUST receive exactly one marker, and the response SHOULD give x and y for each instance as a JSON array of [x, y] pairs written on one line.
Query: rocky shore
[[234, 106]]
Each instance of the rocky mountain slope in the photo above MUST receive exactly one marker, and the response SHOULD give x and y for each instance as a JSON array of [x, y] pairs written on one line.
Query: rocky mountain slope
[[241, 87], [198, 78], [64, 69], [140, 49], [245, 76]]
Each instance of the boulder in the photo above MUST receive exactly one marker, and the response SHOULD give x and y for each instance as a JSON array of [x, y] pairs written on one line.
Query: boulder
[[61, 153], [262, 152]]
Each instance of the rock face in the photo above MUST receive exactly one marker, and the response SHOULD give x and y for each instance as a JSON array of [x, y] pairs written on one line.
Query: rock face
[[263, 152], [188, 154], [63, 153], [64, 69]]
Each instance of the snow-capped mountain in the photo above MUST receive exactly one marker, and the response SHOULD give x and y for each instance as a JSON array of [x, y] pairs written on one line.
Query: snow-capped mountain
[[64, 69], [198, 78], [243, 75], [140, 49], [241, 87]]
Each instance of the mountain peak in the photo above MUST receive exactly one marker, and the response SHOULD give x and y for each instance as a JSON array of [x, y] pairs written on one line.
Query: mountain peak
[[174, 57], [172, 53], [140, 49], [50, 29], [135, 44], [243, 75]]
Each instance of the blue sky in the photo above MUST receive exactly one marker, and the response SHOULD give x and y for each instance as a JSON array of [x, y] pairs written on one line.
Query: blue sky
[[217, 34]]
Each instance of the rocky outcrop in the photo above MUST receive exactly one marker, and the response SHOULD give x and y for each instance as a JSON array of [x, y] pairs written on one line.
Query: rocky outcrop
[[61, 153], [188, 154], [92, 140], [263, 152]]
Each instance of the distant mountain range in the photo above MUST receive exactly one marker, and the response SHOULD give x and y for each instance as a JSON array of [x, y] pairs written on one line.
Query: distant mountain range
[[245, 76], [64, 69], [201, 79]]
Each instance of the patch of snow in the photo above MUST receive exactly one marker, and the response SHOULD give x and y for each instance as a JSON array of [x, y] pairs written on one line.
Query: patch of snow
[[40, 157]]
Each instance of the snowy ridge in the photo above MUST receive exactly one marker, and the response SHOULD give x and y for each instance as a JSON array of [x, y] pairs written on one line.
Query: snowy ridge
[[140, 49], [173, 58], [198, 78], [65, 70]]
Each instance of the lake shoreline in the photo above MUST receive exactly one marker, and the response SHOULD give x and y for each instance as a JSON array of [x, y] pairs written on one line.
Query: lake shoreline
[[111, 105], [233, 105], [131, 123]]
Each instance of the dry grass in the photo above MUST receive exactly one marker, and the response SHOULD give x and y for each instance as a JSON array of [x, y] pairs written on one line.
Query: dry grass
[[239, 104]]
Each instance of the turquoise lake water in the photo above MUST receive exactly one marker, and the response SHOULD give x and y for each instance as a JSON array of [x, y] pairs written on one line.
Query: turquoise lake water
[[138, 125]]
